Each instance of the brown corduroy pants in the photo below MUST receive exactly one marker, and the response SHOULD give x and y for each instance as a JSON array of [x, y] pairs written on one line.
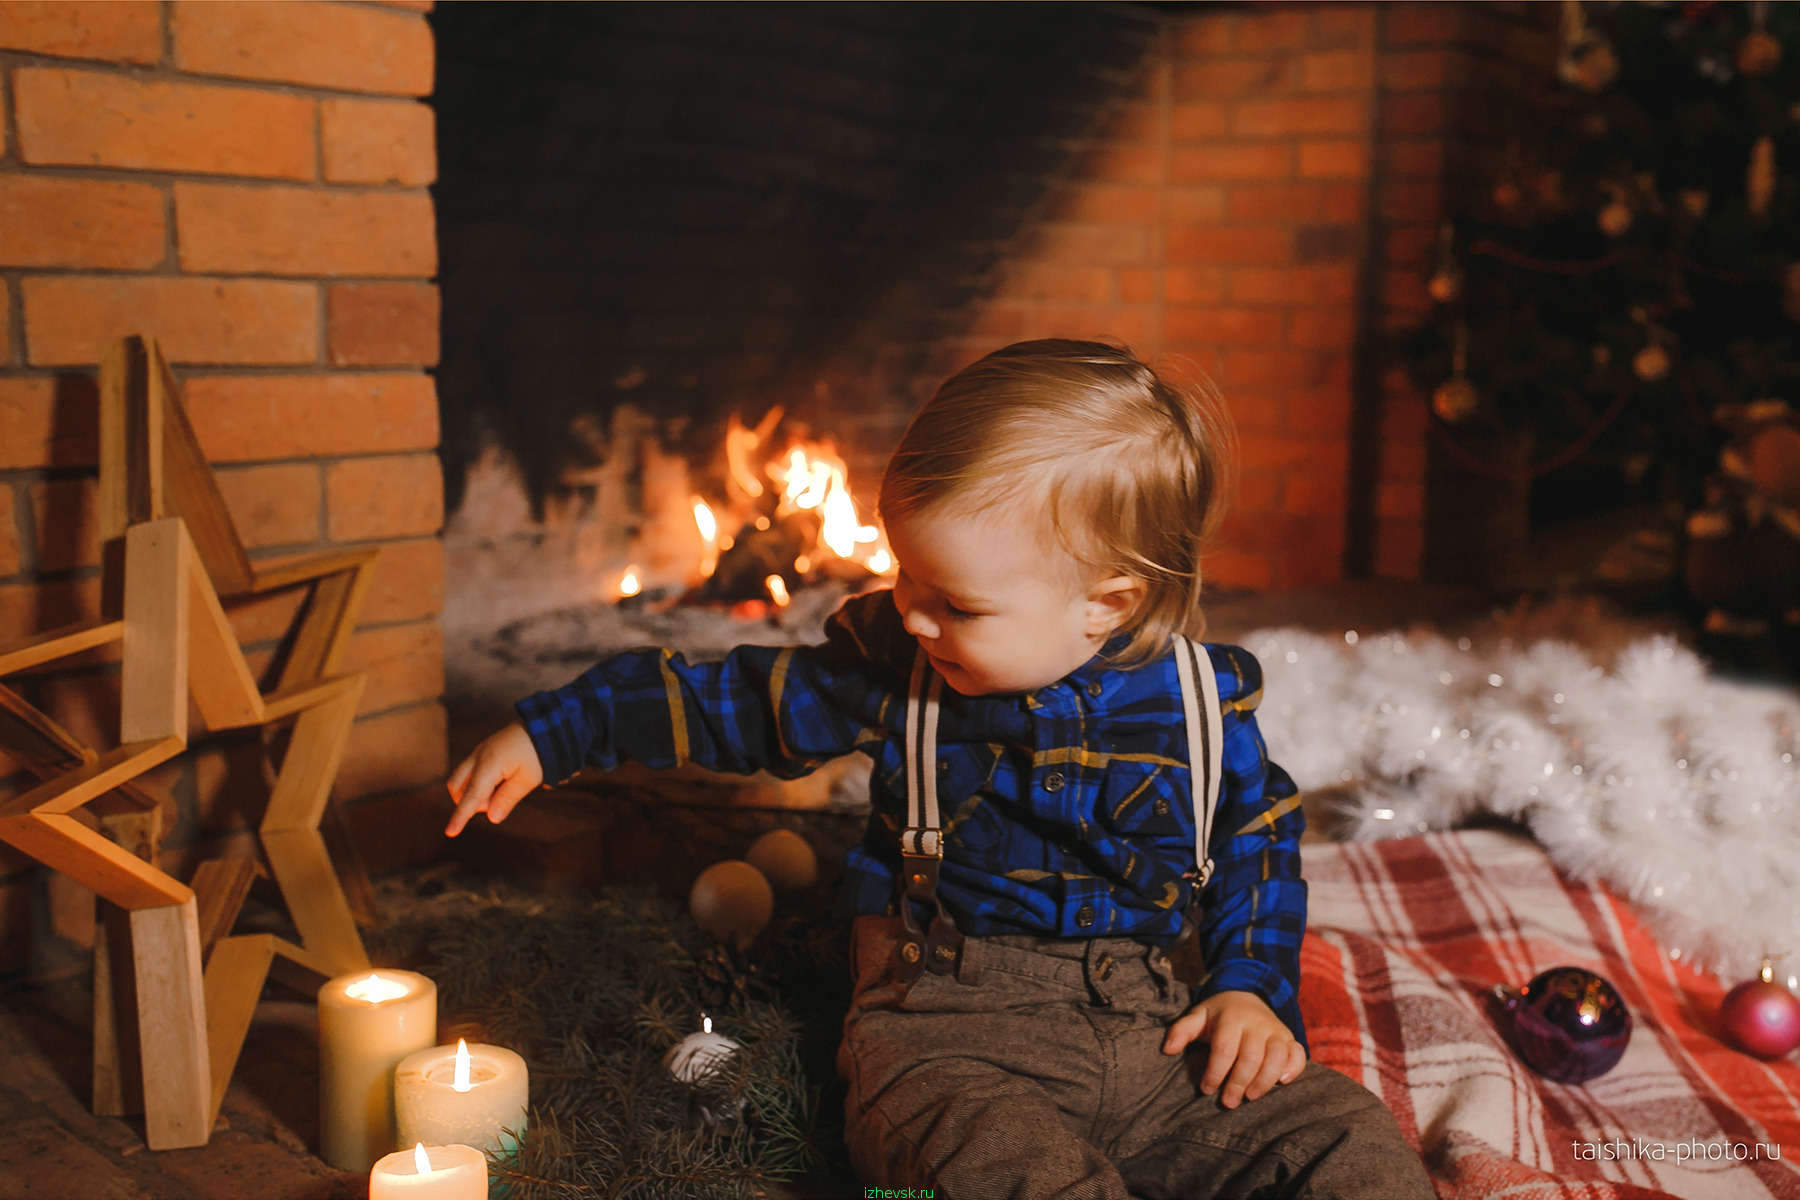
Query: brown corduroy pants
[[1037, 1071]]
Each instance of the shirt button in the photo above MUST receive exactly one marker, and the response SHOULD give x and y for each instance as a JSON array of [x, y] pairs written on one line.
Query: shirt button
[[1161, 807], [1053, 782], [943, 764], [1084, 916], [1094, 688]]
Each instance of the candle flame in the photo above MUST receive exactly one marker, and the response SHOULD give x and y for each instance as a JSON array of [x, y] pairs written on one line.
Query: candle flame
[[420, 1161], [375, 989], [461, 1082], [705, 1023], [777, 590], [628, 583]]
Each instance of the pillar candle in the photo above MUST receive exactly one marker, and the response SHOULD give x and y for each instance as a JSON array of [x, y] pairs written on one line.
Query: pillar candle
[[430, 1173], [435, 1101], [368, 1022]]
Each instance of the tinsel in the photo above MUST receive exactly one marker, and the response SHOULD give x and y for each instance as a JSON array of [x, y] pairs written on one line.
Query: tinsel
[[1672, 786], [592, 991]]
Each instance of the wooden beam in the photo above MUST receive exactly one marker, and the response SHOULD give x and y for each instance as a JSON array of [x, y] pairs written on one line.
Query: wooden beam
[[60, 841], [234, 981], [285, 702], [118, 1067], [275, 576], [193, 490], [153, 689], [220, 886], [58, 643], [315, 898], [224, 690], [69, 791], [311, 764], [171, 1001]]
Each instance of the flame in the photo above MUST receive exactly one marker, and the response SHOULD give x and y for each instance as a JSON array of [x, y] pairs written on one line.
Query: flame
[[777, 590], [705, 1023], [812, 476], [709, 533], [420, 1161], [461, 1082], [376, 989], [628, 583], [741, 444], [881, 562]]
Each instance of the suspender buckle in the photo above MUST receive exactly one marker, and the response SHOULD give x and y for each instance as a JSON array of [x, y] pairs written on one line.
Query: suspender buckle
[[922, 841], [935, 945]]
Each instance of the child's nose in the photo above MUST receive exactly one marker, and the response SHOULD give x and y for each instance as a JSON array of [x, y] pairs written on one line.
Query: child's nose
[[918, 624]]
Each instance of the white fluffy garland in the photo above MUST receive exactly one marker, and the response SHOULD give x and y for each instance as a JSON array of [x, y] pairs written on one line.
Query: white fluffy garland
[[1676, 789]]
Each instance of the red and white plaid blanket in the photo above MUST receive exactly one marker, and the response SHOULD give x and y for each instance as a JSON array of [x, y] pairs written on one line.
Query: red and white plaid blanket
[[1405, 942]]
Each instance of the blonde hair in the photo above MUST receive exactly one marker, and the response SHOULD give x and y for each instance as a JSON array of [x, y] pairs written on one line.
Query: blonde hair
[[1129, 467]]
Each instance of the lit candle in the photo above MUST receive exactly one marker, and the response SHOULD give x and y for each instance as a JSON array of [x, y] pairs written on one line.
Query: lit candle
[[368, 1022], [475, 1095], [698, 1055], [430, 1173]]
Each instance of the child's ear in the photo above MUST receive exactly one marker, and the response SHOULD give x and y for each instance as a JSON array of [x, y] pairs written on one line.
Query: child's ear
[[1112, 602]]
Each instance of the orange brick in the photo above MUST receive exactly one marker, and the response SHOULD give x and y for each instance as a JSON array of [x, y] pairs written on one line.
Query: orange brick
[[1128, 164], [1287, 117], [1048, 281], [1194, 284], [378, 141], [384, 497], [1413, 156], [112, 30], [1399, 549], [996, 320], [1199, 34], [1423, 21], [383, 324], [1196, 120], [1207, 162], [48, 222], [1194, 205], [1399, 500], [1405, 289], [1233, 326], [93, 119], [1107, 204], [1412, 201], [340, 46], [1403, 462], [1321, 328], [28, 608], [65, 521], [1092, 245], [1316, 495], [1409, 114], [1133, 327], [69, 318], [1336, 71], [1214, 245], [408, 582], [405, 664], [266, 618], [6, 355], [228, 786], [273, 506], [1334, 159], [1344, 24], [1137, 285], [1323, 407], [1227, 567], [1414, 70], [1260, 29], [1134, 121], [1227, 78], [48, 423], [1335, 202], [1326, 284], [1409, 245], [1313, 555], [1257, 491], [304, 231], [1278, 368], [12, 555], [243, 418], [395, 750]]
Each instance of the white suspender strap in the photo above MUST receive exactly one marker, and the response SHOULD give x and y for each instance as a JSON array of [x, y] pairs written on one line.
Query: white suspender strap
[[922, 835], [1206, 744]]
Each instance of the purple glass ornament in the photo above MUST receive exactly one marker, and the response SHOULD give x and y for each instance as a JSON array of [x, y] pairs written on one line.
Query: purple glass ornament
[[1568, 1024]]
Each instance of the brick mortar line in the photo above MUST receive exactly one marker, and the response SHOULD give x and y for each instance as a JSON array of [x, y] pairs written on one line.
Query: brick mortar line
[[151, 176], [158, 72], [317, 280], [227, 371]]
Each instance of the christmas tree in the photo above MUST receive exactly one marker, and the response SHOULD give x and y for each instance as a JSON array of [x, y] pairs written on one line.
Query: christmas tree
[[1619, 286]]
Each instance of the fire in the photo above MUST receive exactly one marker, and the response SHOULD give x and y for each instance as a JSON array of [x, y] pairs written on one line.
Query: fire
[[777, 591], [628, 583], [812, 476]]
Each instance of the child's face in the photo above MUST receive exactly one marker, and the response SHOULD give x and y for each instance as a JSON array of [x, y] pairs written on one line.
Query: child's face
[[997, 607]]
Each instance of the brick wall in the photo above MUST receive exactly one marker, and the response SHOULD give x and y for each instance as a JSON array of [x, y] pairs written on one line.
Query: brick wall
[[247, 182]]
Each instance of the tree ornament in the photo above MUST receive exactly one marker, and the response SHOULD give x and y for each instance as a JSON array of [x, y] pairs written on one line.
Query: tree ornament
[[1759, 53], [1651, 363], [1587, 61], [732, 901], [785, 859], [1456, 399], [1760, 1016], [1759, 184], [1615, 218], [1446, 282], [1695, 201], [1567, 1024], [1507, 195]]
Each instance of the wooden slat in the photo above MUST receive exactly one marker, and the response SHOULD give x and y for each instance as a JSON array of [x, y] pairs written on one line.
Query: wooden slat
[[274, 576], [285, 702], [131, 466], [153, 687], [76, 786], [224, 689], [58, 643], [171, 1000], [220, 886], [191, 489], [314, 752], [62, 842], [298, 967], [325, 626], [118, 1069], [234, 979], [45, 745], [315, 898]]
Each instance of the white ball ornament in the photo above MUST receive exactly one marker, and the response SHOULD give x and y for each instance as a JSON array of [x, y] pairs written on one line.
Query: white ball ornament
[[732, 901], [785, 859]]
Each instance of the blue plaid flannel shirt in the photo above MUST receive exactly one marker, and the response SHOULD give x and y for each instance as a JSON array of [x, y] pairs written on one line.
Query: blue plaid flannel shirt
[[1066, 811]]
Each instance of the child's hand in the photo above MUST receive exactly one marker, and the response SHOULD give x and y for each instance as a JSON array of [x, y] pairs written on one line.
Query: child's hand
[[1247, 1039], [498, 773]]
